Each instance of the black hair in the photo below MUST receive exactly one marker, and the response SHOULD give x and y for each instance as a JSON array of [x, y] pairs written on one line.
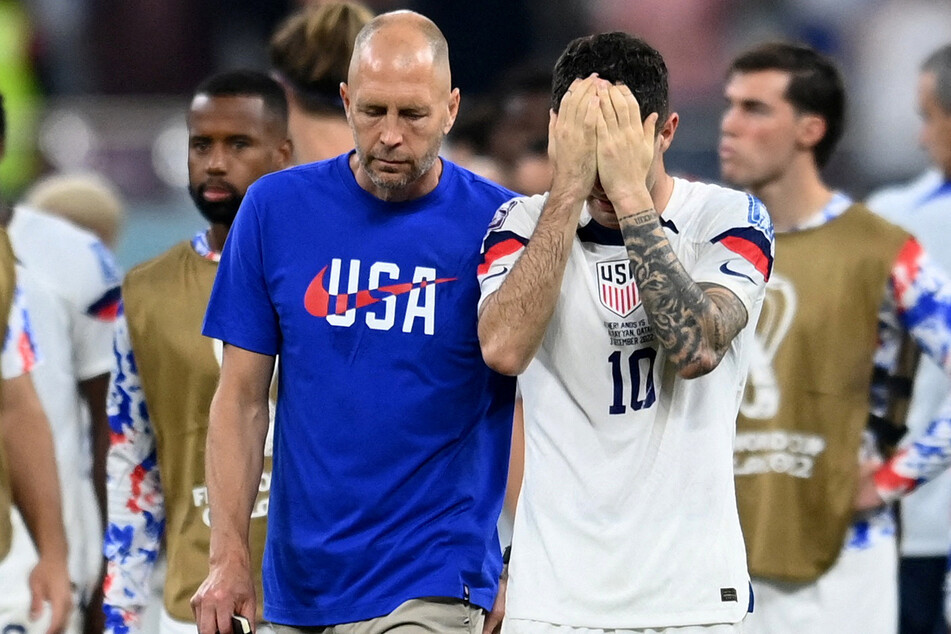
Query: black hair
[[248, 83], [815, 85], [621, 59]]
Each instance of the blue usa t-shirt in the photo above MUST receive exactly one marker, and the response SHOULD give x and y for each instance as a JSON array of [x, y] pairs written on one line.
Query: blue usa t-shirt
[[391, 437]]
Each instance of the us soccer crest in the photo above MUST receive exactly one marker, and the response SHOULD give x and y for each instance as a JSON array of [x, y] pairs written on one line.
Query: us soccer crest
[[616, 288]]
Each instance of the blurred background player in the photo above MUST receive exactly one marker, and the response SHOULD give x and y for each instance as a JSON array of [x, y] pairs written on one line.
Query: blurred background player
[[167, 371], [28, 474], [923, 207], [72, 282], [848, 291], [86, 199], [310, 54]]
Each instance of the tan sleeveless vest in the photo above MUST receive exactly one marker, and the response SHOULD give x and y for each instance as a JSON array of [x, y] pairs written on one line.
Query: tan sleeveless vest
[[7, 285], [800, 426], [165, 301]]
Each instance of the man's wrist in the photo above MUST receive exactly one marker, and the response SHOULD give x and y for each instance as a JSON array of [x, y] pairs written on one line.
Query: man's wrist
[[637, 219], [633, 205], [506, 555], [229, 553], [54, 550], [569, 190]]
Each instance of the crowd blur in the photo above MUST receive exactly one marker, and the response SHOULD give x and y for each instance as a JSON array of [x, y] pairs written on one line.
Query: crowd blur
[[100, 84]]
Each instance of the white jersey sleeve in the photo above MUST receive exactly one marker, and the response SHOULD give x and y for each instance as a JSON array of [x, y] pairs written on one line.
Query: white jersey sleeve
[[739, 252], [96, 299], [508, 233], [83, 272]]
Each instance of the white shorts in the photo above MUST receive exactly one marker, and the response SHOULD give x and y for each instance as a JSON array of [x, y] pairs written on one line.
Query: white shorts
[[525, 626], [858, 594]]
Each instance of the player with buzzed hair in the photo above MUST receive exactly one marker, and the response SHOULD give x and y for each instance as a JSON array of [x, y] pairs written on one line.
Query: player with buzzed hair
[[391, 436], [166, 371]]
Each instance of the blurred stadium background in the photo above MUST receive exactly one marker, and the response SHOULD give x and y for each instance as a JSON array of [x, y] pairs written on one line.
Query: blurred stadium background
[[102, 84]]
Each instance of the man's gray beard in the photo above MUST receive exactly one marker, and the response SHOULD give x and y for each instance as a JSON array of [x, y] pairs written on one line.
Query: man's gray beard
[[422, 167]]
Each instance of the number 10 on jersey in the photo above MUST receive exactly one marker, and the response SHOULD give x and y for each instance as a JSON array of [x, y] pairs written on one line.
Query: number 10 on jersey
[[633, 376]]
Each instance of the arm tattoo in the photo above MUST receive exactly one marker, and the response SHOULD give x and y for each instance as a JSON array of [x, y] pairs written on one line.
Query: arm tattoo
[[640, 218], [691, 321], [729, 320]]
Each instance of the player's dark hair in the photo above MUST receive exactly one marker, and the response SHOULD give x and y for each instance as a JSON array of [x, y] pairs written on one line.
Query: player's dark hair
[[621, 59], [310, 52], [939, 63], [815, 86], [248, 83]]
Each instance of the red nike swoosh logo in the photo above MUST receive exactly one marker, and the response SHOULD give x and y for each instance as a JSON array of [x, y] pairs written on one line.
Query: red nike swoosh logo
[[321, 303]]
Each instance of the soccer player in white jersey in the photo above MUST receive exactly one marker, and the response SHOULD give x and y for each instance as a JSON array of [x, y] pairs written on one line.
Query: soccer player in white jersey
[[72, 285], [41, 601], [625, 301]]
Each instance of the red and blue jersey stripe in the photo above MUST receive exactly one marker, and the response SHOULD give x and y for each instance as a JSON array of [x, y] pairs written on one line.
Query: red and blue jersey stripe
[[752, 245]]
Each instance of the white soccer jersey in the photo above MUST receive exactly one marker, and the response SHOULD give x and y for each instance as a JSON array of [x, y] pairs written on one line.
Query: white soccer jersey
[[627, 516], [72, 287]]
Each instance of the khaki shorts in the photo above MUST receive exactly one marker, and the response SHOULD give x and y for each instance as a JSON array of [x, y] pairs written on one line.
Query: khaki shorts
[[434, 615], [167, 624]]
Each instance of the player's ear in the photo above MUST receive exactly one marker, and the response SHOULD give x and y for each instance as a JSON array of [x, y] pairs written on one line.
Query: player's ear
[[345, 98], [665, 133], [284, 153], [810, 130], [454, 98]]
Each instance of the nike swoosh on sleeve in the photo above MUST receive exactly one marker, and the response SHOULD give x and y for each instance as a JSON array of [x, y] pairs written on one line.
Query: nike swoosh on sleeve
[[496, 274], [725, 269]]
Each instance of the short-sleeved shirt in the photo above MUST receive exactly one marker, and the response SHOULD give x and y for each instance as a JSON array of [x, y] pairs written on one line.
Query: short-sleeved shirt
[[72, 285], [627, 516], [391, 435]]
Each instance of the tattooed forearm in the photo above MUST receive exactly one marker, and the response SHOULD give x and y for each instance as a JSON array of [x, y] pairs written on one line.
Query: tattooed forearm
[[694, 323], [645, 217], [728, 320]]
